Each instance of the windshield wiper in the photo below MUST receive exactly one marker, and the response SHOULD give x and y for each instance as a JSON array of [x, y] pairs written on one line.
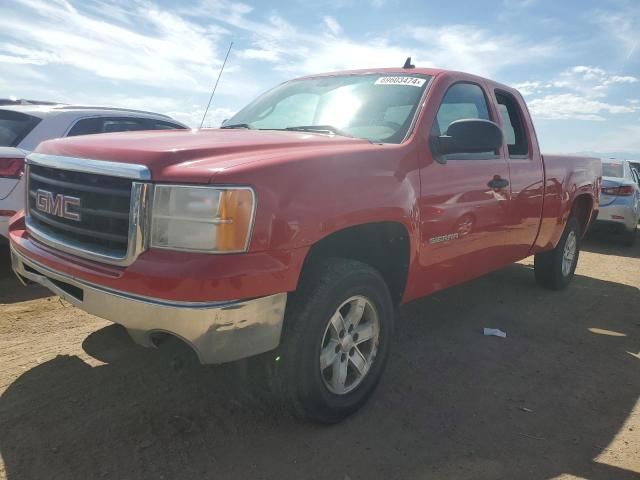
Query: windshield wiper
[[238, 125], [319, 129]]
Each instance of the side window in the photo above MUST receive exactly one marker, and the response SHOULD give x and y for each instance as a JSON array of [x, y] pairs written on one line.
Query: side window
[[162, 125], [462, 100], [127, 124], [512, 119], [86, 126]]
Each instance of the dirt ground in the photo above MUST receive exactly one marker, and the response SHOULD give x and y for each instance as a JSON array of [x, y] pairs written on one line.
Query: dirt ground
[[558, 398]]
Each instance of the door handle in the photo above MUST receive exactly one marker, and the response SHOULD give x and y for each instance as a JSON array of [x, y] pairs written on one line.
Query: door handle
[[498, 182]]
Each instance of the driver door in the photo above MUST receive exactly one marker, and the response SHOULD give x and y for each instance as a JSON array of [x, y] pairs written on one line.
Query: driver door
[[464, 199]]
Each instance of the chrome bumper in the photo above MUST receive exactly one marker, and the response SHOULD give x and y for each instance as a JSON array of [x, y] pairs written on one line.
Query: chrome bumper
[[218, 332]]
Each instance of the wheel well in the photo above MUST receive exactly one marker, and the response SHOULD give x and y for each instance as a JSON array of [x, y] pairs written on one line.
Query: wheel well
[[581, 209], [383, 246]]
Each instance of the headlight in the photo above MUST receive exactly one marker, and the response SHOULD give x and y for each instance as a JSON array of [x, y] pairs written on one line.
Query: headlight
[[209, 219]]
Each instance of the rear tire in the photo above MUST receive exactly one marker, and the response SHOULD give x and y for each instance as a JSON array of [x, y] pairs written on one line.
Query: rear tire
[[629, 238], [321, 329], [555, 269]]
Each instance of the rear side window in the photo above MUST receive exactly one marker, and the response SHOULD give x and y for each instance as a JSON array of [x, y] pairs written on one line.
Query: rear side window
[[162, 125], [512, 120], [89, 126], [14, 126], [462, 100], [613, 170]]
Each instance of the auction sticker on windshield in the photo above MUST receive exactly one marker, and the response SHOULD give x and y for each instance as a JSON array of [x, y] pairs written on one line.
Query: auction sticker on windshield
[[411, 81]]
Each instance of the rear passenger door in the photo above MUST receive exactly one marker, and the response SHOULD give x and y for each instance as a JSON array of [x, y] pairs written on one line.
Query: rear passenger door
[[464, 199], [526, 175]]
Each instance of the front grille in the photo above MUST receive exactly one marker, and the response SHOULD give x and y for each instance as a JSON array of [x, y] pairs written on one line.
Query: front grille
[[104, 207]]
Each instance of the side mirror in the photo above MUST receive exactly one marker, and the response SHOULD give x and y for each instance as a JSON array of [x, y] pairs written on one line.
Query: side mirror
[[470, 135]]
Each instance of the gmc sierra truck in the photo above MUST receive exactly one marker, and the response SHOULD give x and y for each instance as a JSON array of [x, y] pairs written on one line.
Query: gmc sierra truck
[[300, 225]]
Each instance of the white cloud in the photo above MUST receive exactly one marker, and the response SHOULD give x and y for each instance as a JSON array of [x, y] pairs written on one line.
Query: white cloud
[[461, 47], [572, 106], [579, 93], [623, 139], [260, 54], [333, 25], [179, 52], [530, 88], [175, 52], [476, 50], [622, 26], [601, 77]]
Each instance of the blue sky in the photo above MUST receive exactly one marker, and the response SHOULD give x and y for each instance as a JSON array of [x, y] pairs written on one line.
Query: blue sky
[[577, 62]]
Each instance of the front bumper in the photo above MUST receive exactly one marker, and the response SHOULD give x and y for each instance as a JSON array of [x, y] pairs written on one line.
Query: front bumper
[[218, 332]]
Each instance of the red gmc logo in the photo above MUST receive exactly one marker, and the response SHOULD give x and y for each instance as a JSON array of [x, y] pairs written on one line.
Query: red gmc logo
[[57, 204]]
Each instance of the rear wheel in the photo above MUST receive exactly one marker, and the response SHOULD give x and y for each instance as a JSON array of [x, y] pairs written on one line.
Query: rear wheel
[[336, 340], [629, 238], [555, 269]]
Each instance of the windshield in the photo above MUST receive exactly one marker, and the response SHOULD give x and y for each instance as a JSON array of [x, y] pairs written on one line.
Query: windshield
[[375, 107], [14, 127], [613, 170]]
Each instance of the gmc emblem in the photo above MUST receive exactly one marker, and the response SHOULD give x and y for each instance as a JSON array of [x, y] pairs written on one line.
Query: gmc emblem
[[57, 204]]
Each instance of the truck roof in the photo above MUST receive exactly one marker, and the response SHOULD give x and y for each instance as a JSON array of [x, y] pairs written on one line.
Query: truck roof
[[408, 71]]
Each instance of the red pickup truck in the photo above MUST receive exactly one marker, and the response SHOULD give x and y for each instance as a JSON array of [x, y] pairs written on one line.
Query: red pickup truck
[[301, 225]]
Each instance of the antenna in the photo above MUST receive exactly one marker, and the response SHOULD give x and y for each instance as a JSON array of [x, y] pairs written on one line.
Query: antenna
[[408, 64], [216, 84]]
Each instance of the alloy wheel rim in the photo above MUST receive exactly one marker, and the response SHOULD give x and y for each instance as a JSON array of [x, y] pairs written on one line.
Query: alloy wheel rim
[[569, 253], [349, 345]]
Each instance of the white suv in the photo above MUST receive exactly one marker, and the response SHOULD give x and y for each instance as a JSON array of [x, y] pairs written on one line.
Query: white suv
[[23, 127]]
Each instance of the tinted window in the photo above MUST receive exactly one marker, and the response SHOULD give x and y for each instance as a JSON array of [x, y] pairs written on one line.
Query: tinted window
[[112, 125], [462, 100], [14, 127], [162, 125], [513, 129], [88, 126], [613, 170]]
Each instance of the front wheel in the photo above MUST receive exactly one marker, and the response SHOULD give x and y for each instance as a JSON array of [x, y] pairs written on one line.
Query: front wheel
[[336, 340], [555, 269]]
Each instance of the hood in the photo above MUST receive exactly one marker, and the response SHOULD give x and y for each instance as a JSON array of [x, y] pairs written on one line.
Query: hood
[[196, 155]]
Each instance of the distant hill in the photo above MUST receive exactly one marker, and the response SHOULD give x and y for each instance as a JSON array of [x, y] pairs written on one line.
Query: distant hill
[[618, 155]]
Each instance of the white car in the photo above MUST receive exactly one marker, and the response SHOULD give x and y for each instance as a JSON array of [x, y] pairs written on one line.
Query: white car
[[620, 199], [23, 127]]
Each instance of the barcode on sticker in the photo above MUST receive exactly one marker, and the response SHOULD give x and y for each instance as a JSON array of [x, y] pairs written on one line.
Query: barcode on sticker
[[411, 81]]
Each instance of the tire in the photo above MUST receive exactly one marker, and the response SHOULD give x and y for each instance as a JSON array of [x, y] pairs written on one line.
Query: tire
[[331, 286], [548, 266], [629, 238]]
